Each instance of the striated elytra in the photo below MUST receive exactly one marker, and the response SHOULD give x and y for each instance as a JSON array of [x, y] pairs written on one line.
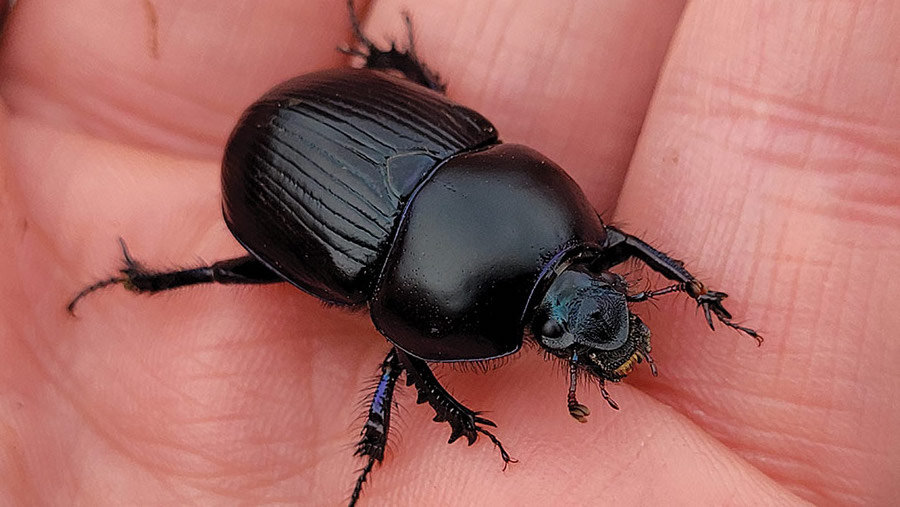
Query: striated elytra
[[363, 187], [360, 187]]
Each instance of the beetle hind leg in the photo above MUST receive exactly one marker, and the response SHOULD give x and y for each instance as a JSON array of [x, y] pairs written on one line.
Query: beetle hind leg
[[405, 61], [136, 278], [373, 437], [463, 421]]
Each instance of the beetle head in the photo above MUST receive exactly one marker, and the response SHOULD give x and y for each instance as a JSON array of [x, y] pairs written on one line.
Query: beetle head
[[585, 315]]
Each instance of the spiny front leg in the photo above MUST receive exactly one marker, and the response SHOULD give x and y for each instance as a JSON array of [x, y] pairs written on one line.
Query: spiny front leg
[[621, 246], [374, 435], [463, 421]]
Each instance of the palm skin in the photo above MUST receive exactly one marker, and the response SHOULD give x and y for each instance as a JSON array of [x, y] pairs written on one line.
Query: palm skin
[[768, 159]]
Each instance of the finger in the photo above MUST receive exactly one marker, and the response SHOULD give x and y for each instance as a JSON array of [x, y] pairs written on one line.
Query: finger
[[613, 456], [233, 387], [167, 74], [770, 161], [570, 79], [513, 86]]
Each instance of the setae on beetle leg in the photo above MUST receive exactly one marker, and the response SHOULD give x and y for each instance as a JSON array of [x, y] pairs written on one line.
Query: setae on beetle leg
[[136, 278], [462, 420], [404, 62], [375, 432], [620, 246]]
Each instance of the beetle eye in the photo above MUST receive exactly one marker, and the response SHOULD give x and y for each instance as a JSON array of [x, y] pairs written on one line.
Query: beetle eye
[[551, 329]]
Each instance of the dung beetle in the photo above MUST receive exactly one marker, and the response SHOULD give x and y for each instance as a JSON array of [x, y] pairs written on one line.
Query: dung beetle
[[369, 187]]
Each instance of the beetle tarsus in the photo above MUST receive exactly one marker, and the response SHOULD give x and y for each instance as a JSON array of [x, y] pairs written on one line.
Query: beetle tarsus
[[507, 459], [363, 476], [711, 302], [129, 265], [136, 278], [463, 421], [92, 288], [621, 246], [648, 295], [405, 62], [374, 434]]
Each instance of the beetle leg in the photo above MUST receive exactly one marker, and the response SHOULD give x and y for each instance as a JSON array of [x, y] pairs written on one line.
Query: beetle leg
[[647, 295], [405, 62], [374, 434], [621, 246], [136, 278], [462, 420]]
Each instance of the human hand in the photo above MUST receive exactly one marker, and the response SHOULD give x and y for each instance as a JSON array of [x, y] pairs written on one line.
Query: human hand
[[768, 160]]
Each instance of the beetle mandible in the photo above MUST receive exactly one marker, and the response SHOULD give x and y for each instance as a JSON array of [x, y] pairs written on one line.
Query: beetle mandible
[[368, 187]]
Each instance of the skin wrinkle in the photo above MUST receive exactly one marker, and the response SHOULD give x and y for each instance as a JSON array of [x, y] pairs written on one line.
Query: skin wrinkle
[[793, 113], [798, 432], [820, 305], [153, 32], [771, 454], [548, 53], [85, 414], [829, 271], [756, 250], [222, 462], [485, 38], [197, 99], [104, 108], [202, 480], [113, 182]]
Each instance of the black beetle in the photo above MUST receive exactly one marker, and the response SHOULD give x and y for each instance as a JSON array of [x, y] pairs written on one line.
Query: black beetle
[[365, 187]]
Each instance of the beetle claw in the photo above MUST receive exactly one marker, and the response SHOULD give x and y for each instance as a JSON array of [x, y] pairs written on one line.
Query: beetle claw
[[404, 61], [708, 316], [463, 421], [485, 422], [711, 301]]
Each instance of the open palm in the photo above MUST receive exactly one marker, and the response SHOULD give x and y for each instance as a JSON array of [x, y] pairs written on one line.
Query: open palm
[[768, 159]]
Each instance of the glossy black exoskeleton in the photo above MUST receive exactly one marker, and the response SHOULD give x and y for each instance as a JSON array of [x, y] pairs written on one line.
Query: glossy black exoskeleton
[[366, 188]]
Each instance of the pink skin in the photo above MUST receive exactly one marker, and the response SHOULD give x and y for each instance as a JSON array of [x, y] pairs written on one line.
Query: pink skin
[[768, 159]]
